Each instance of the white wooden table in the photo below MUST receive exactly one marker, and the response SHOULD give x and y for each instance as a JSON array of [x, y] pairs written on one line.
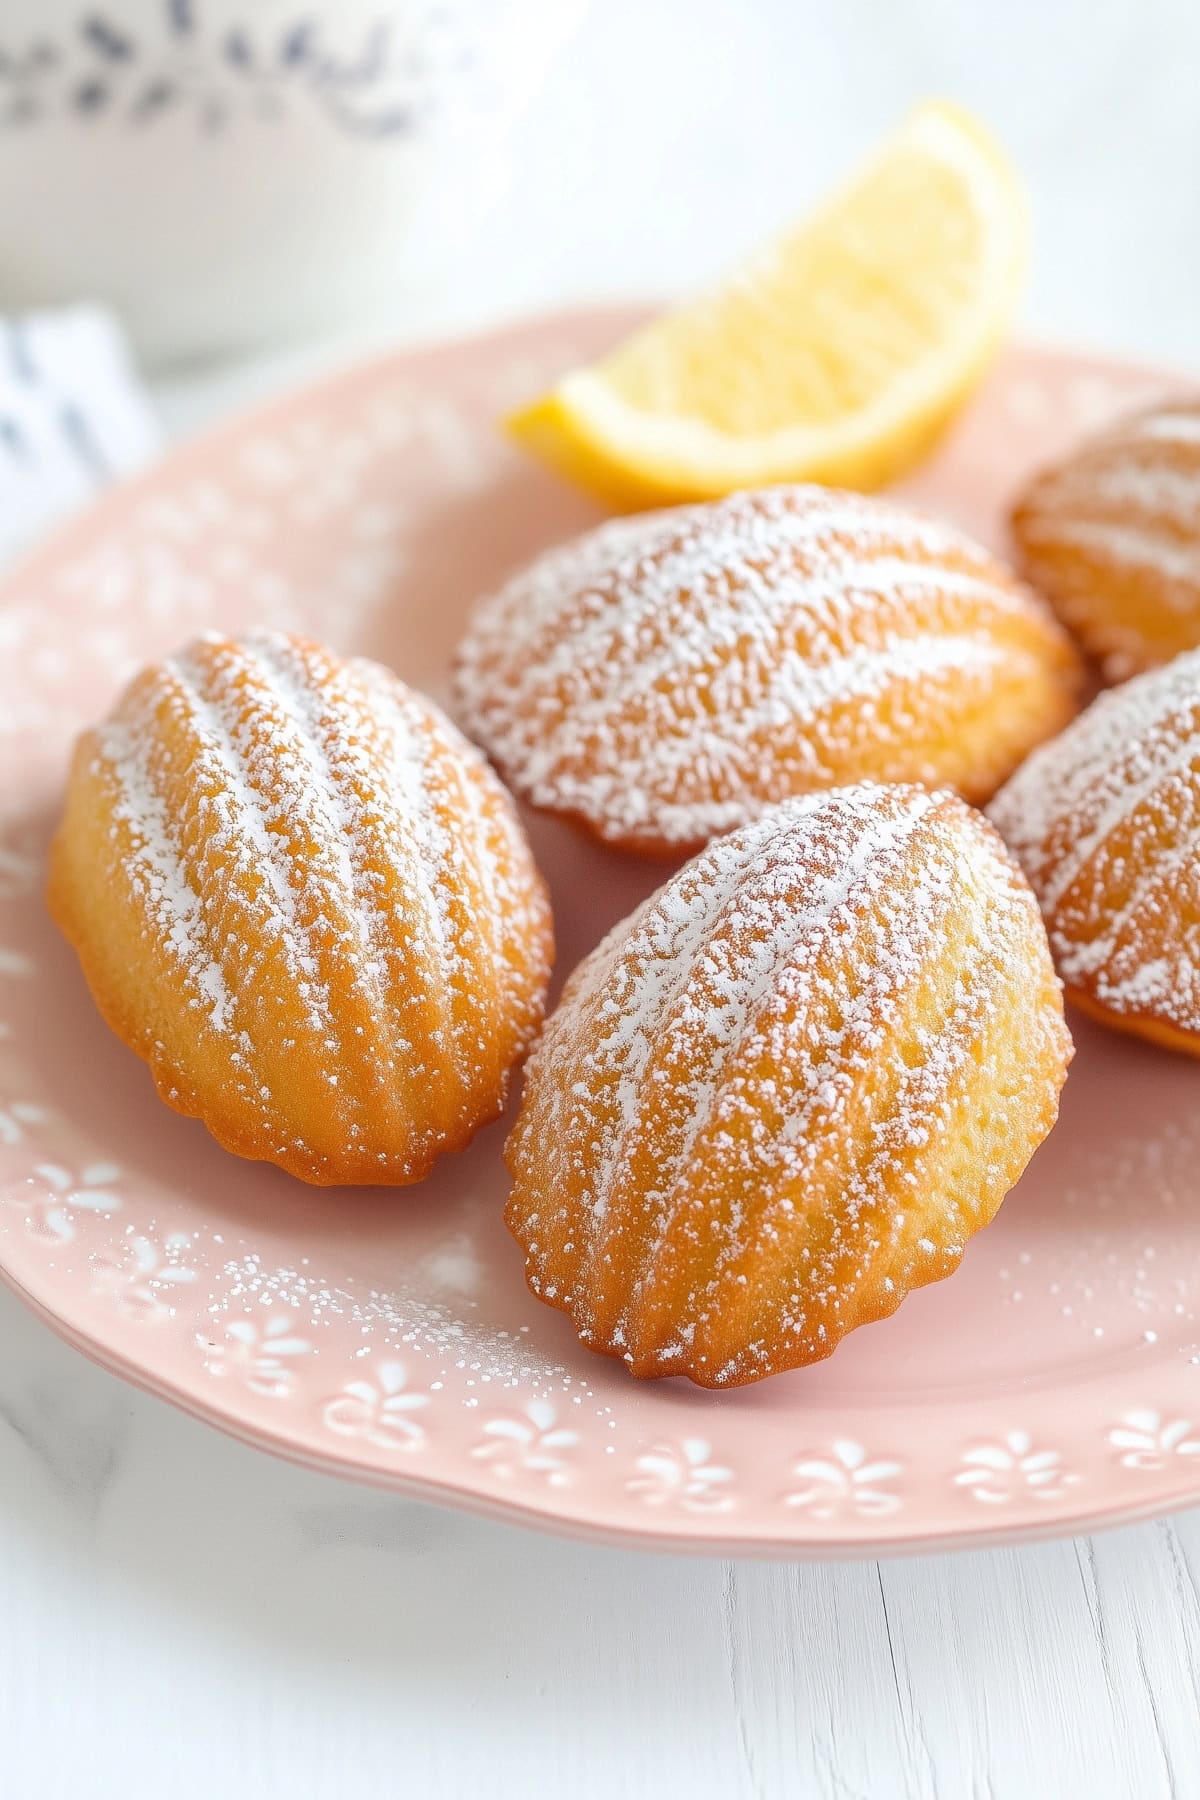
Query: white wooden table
[[180, 1616]]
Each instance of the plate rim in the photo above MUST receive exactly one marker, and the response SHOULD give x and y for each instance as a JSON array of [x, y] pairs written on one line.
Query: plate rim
[[438, 1489], [662, 1532]]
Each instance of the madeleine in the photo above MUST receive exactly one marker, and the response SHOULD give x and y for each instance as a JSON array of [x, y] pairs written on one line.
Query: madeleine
[[789, 1088], [664, 678], [307, 903], [1111, 537], [1105, 822]]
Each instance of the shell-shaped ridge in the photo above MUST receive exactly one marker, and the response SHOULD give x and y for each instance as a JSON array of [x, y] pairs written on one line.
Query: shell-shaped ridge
[[665, 677], [1111, 536], [304, 898], [1105, 821], [789, 1087]]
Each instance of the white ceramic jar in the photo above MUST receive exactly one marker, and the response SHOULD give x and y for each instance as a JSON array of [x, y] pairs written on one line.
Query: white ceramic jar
[[231, 172]]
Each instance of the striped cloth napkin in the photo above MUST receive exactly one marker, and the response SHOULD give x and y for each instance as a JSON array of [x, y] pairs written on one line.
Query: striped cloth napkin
[[73, 416]]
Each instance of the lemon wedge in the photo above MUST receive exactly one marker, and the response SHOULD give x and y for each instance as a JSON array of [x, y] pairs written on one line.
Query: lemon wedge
[[837, 354]]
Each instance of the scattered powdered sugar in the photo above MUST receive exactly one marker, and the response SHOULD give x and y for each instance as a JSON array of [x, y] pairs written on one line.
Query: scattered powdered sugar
[[1105, 820], [664, 676], [337, 883], [744, 1072], [451, 1339]]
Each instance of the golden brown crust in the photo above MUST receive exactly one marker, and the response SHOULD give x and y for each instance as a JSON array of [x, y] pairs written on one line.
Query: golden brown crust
[[789, 1088], [1111, 536], [1105, 822], [307, 904], [665, 677], [1140, 1025]]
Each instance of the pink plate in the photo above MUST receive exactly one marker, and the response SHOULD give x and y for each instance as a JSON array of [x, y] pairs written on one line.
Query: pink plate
[[1053, 1383]]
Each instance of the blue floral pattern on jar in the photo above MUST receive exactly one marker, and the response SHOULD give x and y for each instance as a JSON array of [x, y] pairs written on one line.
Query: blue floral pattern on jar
[[388, 81]]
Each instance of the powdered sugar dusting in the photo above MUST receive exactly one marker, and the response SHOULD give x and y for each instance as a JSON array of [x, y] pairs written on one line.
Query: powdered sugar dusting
[[664, 677], [1112, 536], [339, 887], [1177, 423], [157, 874], [452, 1343], [730, 1079], [1106, 822]]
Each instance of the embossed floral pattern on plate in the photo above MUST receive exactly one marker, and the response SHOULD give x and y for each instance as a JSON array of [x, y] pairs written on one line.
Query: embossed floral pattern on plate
[[1054, 1380]]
